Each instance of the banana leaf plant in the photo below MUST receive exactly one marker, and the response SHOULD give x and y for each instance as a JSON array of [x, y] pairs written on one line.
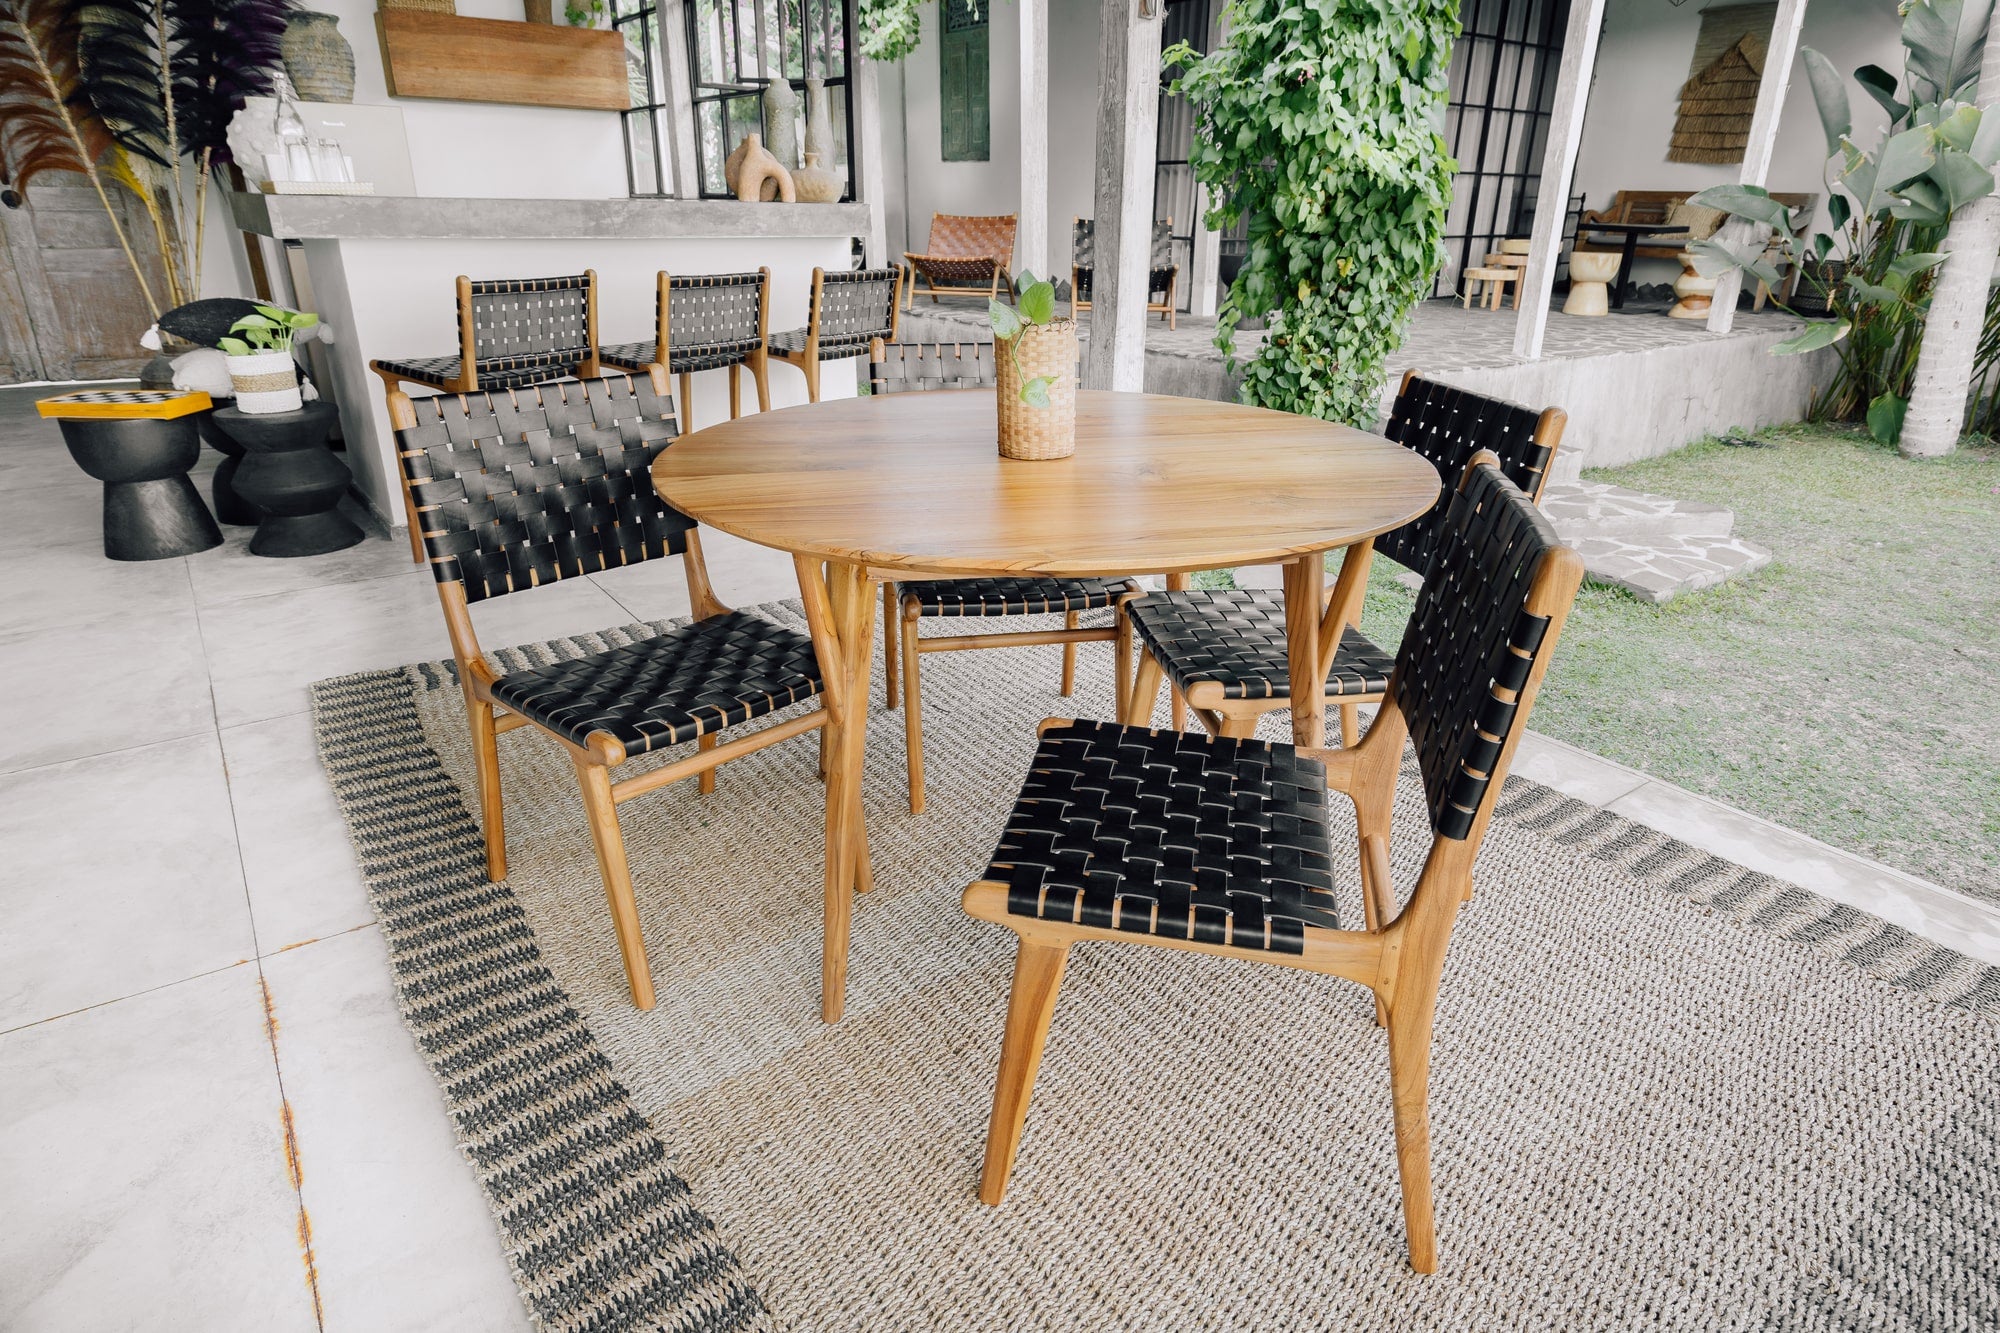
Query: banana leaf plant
[[1889, 207]]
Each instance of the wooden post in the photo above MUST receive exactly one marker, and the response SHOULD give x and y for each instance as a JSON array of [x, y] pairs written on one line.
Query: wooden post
[[1128, 113], [1031, 235], [1757, 151], [1205, 262], [686, 166], [1586, 21]]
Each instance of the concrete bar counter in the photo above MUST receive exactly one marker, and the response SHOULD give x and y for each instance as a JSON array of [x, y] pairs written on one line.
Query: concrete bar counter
[[381, 270]]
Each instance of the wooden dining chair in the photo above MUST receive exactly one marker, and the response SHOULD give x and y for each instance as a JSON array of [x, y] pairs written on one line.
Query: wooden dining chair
[[706, 321], [1162, 279], [848, 311], [512, 332], [1225, 651], [906, 367], [1220, 845], [965, 256], [517, 489]]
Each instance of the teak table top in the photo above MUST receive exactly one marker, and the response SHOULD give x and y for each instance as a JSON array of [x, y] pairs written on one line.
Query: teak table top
[[915, 482]]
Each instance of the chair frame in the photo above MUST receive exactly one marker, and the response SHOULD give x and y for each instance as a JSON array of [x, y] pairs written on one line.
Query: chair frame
[[468, 376], [1001, 281], [1223, 716], [807, 360], [757, 359], [1169, 309], [1399, 956], [488, 718]]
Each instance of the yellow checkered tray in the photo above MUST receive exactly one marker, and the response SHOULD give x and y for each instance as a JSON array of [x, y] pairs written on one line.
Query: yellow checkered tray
[[118, 403]]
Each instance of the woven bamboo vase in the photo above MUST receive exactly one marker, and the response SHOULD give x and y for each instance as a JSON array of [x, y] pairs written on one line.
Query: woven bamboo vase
[[1026, 431]]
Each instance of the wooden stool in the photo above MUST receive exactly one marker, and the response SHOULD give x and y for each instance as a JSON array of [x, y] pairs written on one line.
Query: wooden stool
[[1495, 280]]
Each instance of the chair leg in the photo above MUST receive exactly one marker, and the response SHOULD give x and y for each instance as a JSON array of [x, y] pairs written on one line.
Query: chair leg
[[486, 754], [1410, 1014], [1038, 970], [811, 368], [687, 401], [1177, 708], [706, 782], [1145, 694], [913, 712], [1241, 726], [760, 374], [735, 390], [1121, 661], [595, 780], [1069, 657], [891, 650], [1350, 725]]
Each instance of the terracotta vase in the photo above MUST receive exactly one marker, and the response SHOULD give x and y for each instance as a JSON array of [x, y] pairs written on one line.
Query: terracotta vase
[[1026, 431], [760, 176], [781, 122], [317, 57], [816, 185]]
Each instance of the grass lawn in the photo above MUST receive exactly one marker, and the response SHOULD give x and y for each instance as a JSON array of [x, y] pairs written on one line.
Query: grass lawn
[[1849, 690]]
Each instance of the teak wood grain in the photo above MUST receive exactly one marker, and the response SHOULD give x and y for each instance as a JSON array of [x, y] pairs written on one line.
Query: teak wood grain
[[458, 59], [915, 482]]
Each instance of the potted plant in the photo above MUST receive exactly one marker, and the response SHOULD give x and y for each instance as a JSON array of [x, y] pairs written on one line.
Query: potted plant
[[261, 368], [1035, 358]]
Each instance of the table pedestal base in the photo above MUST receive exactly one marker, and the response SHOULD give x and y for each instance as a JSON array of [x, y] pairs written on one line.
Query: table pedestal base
[[306, 534], [289, 475]]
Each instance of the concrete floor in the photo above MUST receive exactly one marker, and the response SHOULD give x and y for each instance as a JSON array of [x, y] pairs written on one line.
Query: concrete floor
[[211, 1116]]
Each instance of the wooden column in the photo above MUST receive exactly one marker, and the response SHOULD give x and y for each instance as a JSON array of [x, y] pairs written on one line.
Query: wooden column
[[871, 184], [1586, 21], [1031, 236], [685, 165], [1128, 112], [1757, 151]]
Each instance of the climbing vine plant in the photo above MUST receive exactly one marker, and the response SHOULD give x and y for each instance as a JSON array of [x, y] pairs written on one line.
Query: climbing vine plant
[[890, 29], [1319, 123]]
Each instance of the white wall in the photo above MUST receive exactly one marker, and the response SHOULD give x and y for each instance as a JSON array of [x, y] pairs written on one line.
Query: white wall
[[1641, 64]]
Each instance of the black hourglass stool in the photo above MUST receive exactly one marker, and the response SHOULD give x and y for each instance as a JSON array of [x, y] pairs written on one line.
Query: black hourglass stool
[[289, 474], [230, 508], [140, 443]]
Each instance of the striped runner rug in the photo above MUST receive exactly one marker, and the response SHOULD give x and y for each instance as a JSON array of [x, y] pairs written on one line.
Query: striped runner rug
[[1667, 1091]]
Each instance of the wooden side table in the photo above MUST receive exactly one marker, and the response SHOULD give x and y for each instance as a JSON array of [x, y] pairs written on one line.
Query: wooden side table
[[140, 443], [289, 474]]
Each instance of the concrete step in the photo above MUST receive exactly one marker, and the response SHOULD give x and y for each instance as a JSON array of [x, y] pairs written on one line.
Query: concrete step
[[1595, 509], [1663, 568]]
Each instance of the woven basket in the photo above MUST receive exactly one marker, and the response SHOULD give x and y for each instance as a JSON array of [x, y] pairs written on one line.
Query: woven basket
[[1029, 432], [430, 6]]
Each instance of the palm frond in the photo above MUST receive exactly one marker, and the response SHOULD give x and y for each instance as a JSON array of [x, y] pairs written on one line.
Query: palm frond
[[228, 53], [46, 123], [126, 59]]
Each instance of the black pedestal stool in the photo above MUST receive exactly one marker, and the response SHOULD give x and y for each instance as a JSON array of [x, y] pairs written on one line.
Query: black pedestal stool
[[230, 508], [289, 474], [140, 443]]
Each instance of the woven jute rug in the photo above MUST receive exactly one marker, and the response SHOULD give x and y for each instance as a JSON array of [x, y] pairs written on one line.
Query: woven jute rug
[[1668, 1092]]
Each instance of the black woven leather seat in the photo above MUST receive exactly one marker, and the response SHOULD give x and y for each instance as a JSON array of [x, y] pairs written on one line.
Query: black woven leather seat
[[1013, 596], [505, 372], [1236, 639], [671, 689], [681, 360], [832, 347], [1171, 834], [848, 311]]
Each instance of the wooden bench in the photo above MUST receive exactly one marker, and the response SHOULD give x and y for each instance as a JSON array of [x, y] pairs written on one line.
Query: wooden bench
[[1656, 205]]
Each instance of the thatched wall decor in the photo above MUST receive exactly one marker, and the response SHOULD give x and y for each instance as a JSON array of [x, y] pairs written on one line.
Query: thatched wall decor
[[1719, 98]]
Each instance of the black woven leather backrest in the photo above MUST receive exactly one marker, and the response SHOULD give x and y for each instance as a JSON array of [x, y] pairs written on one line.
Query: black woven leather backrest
[[907, 366], [1448, 426], [856, 306], [516, 489], [1083, 243], [521, 316], [714, 308], [1470, 636]]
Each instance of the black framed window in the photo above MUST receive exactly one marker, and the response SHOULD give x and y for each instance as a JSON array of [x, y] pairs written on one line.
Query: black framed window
[[737, 47], [1503, 88], [648, 171]]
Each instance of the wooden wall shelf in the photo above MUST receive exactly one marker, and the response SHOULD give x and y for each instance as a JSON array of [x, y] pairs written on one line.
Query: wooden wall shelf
[[456, 59]]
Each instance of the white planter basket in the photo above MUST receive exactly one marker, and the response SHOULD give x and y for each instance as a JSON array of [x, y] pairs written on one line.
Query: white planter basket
[[265, 382]]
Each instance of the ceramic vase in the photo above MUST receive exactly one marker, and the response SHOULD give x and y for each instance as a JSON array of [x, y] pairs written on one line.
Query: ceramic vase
[[781, 122], [819, 122], [1026, 431], [265, 382], [758, 175], [815, 184], [317, 57]]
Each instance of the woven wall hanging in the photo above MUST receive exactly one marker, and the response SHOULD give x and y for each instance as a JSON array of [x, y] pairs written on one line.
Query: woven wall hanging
[[1719, 98]]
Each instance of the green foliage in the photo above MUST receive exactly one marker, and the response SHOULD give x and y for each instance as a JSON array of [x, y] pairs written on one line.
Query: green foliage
[[1034, 304], [1319, 123], [890, 29], [269, 330], [1890, 208]]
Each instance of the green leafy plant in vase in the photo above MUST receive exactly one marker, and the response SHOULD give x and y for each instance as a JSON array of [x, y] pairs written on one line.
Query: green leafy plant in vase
[[1035, 359], [261, 369]]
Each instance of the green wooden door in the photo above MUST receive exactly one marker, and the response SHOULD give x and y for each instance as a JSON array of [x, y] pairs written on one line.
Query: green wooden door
[[966, 118]]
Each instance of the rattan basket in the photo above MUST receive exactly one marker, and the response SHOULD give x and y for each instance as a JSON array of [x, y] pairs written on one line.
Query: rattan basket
[[1026, 431]]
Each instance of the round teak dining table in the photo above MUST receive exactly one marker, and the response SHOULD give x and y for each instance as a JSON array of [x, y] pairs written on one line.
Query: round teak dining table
[[907, 485]]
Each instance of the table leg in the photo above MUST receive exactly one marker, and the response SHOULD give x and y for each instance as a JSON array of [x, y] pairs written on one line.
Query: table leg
[[1625, 257], [1305, 595], [840, 607]]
